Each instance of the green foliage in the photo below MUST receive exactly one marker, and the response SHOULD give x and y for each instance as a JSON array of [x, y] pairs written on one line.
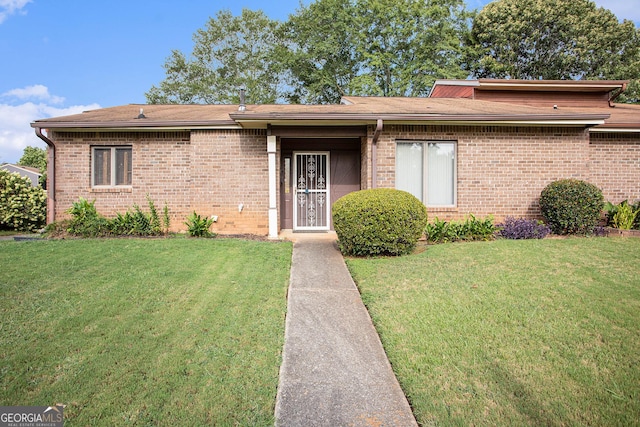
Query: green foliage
[[327, 49], [166, 221], [379, 221], [229, 53], [198, 226], [623, 216], [319, 51], [403, 46], [470, 229], [372, 47], [571, 206], [154, 219], [87, 222], [34, 157], [552, 39], [22, 206]]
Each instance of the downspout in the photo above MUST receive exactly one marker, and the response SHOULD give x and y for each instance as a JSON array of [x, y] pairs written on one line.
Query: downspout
[[51, 176], [614, 97], [374, 154]]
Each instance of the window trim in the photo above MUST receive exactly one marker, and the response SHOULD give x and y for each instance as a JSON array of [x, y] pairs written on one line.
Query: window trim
[[425, 143], [114, 173]]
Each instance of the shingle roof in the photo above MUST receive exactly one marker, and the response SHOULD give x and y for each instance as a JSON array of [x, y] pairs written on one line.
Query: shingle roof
[[353, 110]]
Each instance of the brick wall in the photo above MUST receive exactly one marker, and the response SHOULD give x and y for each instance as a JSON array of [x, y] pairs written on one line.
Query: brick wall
[[615, 165], [230, 168], [201, 171], [500, 170]]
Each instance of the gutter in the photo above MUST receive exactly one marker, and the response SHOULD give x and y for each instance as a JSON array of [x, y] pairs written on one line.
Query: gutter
[[374, 153], [138, 124], [51, 175], [408, 117], [614, 97]]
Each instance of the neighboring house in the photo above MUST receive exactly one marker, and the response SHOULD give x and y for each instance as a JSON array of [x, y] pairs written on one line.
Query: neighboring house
[[263, 168], [25, 171]]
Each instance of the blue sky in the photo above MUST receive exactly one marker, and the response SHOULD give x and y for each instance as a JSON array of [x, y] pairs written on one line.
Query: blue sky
[[62, 57]]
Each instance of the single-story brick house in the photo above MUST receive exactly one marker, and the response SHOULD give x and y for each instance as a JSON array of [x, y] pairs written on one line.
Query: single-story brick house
[[474, 146]]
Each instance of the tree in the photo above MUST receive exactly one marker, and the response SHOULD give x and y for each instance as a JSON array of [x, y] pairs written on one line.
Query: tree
[[318, 52], [405, 45], [552, 39], [373, 47], [231, 52], [34, 157]]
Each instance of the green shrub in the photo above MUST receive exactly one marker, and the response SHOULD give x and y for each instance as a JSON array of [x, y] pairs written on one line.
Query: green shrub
[[379, 221], [470, 229], [87, 222], [22, 206], [622, 216], [571, 206], [198, 226]]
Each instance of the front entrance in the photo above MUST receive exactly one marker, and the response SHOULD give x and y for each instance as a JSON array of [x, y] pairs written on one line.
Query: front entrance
[[311, 191], [314, 173]]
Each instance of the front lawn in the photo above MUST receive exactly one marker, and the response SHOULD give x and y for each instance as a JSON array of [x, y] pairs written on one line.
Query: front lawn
[[537, 332], [144, 332]]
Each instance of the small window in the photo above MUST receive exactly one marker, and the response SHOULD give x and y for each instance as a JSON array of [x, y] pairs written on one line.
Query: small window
[[111, 166], [428, 171]]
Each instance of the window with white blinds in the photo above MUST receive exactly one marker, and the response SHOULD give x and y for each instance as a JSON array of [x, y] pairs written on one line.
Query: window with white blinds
[[427, 169]]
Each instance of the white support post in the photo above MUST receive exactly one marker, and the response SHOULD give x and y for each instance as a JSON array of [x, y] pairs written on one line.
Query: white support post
[[273, 205]]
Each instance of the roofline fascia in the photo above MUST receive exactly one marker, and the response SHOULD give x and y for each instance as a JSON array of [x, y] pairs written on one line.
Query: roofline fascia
[[551, 84], [608, 129], [132, 126], [358, 119]]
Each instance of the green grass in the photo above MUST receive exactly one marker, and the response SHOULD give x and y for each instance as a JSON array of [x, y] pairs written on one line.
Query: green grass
[[538, 332], [144, 332]]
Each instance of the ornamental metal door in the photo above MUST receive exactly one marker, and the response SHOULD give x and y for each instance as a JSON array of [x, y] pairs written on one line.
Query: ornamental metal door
[[312, 202]]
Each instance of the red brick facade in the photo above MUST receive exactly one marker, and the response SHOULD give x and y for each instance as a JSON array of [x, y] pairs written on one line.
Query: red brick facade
[[220, 164], [501, 170], [211, 172], [615, 165]]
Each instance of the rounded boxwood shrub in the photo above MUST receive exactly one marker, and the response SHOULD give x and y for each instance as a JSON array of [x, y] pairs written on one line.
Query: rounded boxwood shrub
[[379, 221], [571, 206]]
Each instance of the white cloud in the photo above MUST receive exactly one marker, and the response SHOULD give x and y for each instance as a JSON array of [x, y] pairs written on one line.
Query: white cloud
[[34, 92], [15, 130], [9, 7]]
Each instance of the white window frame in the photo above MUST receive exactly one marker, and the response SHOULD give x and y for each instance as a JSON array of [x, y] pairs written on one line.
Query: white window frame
[[425, 186], [114, 173]]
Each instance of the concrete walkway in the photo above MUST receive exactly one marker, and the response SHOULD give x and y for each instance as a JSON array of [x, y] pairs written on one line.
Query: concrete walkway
[[334, 370]]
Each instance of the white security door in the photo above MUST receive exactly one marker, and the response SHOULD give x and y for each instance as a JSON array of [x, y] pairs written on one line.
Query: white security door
[[311, 208]]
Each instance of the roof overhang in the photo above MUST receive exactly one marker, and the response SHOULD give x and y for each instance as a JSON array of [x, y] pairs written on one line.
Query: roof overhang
[[616, 129], [259, 121], [535, 85], [547, 85], [135, 125]]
